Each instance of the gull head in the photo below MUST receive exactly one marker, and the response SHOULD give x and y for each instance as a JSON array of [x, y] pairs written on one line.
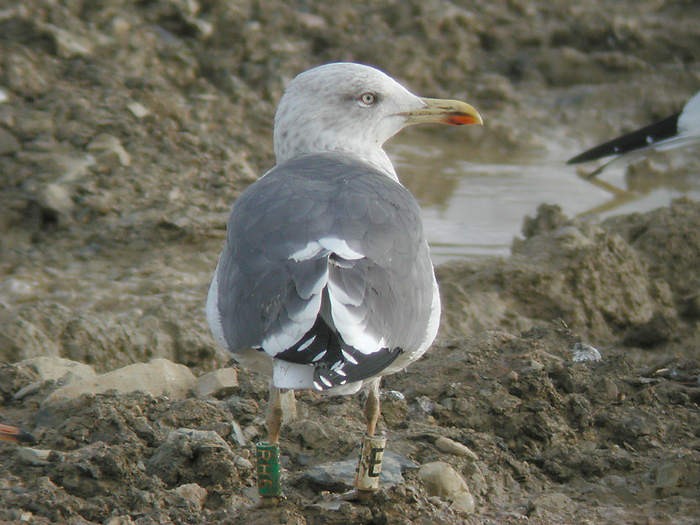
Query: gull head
[[354, 109]]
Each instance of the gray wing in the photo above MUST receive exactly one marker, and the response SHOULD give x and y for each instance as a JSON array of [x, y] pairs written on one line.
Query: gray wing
[[325, 263]]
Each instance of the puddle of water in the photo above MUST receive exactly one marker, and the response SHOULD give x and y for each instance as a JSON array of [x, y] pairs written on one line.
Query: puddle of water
[[475, 209]]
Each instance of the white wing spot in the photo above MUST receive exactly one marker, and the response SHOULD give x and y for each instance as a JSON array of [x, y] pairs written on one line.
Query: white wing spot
[[349, 358], [319, 356], [306, 344]]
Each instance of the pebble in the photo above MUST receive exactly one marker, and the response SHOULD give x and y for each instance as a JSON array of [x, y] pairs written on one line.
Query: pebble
[[157, 377], [35, 457], [218, 383], [56, 197], [138, 110], [585, 353], [441, 480], [450, 446], [237, 434], [68, 45], [110, 145], [193, 493]]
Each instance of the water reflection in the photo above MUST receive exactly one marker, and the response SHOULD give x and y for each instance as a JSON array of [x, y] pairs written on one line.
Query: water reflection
[[474, 209]]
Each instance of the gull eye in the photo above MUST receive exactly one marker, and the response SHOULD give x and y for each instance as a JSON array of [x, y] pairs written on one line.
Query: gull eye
[[367, 99]]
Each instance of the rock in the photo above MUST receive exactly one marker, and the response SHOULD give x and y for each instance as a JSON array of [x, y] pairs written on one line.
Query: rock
[[138, 110], [218, 383], [441, 480], [194, 456], [450, 446], [68, 45], [237, 434], [35, 457], [108, 145], [394, 408], [668, 474], [71, 167], [192, 493], [54, 368], [339, 475], [8, 143], [59, 369], [581, 352], [57, 198], [157, 377]]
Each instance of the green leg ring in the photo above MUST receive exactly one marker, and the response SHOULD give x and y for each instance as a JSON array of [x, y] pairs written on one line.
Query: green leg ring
[[267, 458]]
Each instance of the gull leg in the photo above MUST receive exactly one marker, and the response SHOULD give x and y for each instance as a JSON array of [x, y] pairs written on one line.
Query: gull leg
[[267, 453], [370, 463], [274, 416], [372, 407]]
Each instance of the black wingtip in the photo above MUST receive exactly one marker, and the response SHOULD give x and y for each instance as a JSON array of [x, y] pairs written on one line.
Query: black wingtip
[[637, 139]]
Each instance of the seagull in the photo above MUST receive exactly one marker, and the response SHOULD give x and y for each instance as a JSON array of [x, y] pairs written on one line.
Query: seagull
[[325, 281], [677, 130]]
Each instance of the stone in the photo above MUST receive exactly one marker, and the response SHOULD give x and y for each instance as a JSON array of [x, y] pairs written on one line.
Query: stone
[[56, 197], [441, 480], [68, 45], [341, 474], [52, 368], [109, 145], [581, 352], [193, 493], [450, 446], [35, 457], [158, 377], [218, 383], [138, 110]]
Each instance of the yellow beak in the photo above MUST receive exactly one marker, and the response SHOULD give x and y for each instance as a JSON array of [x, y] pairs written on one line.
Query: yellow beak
[[441, 111]]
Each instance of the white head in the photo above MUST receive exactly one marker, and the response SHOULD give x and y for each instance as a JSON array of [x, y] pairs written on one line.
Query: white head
[[356, 109]]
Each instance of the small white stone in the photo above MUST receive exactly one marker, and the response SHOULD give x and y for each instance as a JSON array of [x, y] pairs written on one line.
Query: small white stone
[[105, 142], [193, 493], [56, 197], [138, 110], [450, 446], [441, 480], [33, 456], [583, 353]]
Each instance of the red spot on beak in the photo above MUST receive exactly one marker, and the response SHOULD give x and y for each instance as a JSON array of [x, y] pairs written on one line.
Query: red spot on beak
[[460, 119]]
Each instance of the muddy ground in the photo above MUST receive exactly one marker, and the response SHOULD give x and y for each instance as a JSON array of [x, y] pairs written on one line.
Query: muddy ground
[[128, 128]]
